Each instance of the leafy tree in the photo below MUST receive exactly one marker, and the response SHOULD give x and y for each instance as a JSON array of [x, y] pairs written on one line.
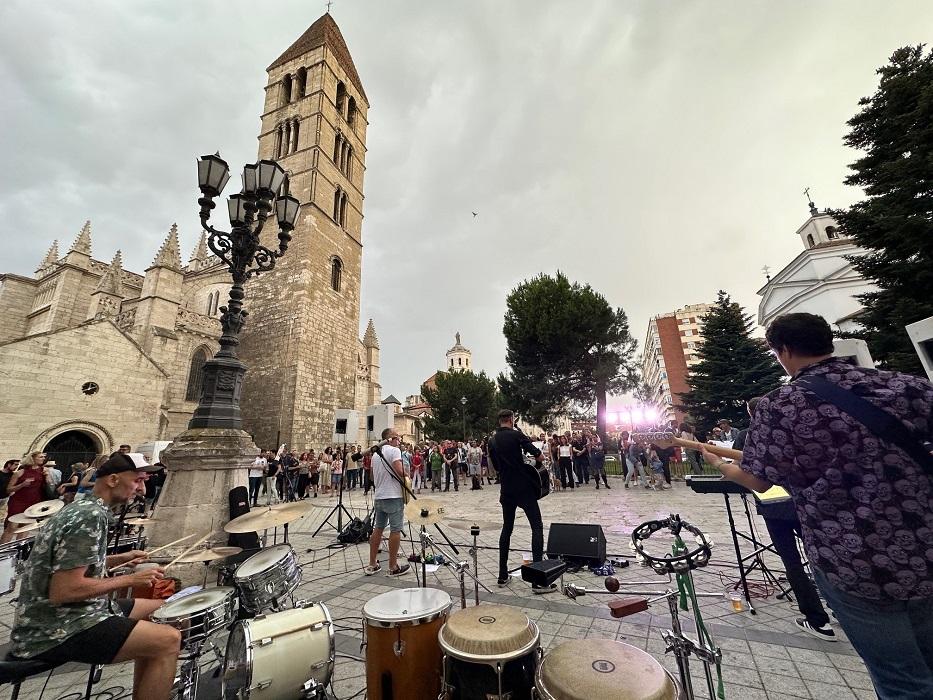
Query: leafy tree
[[733, 367], [895, 130], [451, 416], [565, 346]]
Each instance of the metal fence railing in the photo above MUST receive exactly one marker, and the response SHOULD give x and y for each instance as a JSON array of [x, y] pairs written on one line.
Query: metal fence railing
[[615, 467]]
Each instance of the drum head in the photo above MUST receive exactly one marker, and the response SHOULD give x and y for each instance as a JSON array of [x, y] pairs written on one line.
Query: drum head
[[488, 631], [406, 605], [581, 669], [194, 603], [263, 560]]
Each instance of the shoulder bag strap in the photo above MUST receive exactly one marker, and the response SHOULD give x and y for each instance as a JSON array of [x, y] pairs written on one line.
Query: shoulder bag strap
[[877, 420], [398, 479]]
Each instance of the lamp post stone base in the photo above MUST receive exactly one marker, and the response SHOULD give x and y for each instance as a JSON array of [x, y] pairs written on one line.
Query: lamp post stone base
[[203, 465]]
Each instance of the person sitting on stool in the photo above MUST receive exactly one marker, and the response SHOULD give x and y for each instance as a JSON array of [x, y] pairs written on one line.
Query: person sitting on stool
[[63, 613]]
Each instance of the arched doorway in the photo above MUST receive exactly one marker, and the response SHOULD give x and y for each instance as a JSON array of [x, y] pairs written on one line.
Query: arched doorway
[[70, 447]]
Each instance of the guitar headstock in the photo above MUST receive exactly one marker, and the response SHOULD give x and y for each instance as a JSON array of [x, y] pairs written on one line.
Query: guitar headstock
[[659, 438]]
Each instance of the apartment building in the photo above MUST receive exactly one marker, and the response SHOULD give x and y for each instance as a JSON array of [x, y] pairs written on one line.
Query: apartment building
[[670, 349]]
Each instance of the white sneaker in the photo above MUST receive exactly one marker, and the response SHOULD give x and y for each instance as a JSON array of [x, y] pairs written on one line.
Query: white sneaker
[[826, 632]]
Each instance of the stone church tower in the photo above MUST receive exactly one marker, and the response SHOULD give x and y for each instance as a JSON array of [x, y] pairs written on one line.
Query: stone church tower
[[300, 341]]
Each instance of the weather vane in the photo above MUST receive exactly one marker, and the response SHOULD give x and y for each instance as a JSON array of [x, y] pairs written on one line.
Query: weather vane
[[767, 271], [329, 3]]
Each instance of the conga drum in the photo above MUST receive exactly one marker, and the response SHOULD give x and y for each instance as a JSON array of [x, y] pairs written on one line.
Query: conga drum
[[583, 669], [490, 652], [403, 658]]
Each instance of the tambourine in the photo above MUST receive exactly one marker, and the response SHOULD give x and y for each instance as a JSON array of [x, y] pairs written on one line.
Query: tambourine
[[669, 563]]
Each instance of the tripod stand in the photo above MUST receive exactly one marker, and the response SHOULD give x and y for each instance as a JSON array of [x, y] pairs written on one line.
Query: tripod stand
[[339, 509]]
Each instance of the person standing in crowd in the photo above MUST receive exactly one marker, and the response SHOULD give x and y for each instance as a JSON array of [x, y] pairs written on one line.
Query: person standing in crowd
[[54, 474], [474, 457], [304, 473], [273, 466], [729, 434], [255, 476], [26, 487], [492, 477], [551, 449], [581, 458], [565, 462], [417, 471], [862, 494], [694, 459], [326, 459], [598, 461], [63, 612], [451, 465], [353, 467], [506, 449], [125, 449], [437, 467], [336, 473], [388, 506], [9, 467], [635, 459]]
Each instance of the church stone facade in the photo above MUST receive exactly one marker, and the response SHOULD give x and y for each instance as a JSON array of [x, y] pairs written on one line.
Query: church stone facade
[[93, 355]]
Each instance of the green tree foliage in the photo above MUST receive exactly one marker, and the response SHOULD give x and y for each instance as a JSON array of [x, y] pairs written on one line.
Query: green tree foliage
[[565, 347], [733, 368], [894, 222], [479, 413]]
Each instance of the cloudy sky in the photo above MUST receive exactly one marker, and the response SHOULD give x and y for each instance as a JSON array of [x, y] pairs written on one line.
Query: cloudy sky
[[657, 150]]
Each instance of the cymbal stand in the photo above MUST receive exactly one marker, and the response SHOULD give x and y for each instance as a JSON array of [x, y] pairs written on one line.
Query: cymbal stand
[[474, 550], [339, 509], [461, 568]]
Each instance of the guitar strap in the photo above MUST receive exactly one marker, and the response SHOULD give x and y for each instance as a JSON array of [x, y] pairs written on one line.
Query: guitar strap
[[399, 480]]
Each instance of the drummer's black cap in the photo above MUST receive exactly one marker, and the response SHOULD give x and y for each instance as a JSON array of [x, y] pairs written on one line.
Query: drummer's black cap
[[120, 462]]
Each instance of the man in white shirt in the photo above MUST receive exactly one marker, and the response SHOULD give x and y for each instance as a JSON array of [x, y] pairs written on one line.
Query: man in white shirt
[[388, 476], [256, 472]]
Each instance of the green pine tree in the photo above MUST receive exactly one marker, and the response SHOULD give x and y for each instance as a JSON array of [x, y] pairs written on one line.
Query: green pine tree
[[895, 130], [454, 420], [733, 368]]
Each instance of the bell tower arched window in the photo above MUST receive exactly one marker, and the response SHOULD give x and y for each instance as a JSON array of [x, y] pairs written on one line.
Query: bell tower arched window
[[196, 374], [341, 97], [301, 80], [810, 241], [351, 111], [287, 89]]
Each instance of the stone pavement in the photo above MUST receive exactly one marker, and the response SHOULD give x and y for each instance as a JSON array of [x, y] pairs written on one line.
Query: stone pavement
[[764, 656]]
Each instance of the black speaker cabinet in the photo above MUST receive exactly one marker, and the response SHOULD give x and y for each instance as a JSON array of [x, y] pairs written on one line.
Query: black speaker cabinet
[[543, 573], [577, 542], [340, 426]]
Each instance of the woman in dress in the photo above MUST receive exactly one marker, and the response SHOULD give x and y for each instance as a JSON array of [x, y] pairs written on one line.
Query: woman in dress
[[336, 472], [327, 458], [565, 461], [304, 473], [26, 488]]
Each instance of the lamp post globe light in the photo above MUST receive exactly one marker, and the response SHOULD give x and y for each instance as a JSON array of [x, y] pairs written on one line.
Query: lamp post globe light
[[265, 187], [463, 402]]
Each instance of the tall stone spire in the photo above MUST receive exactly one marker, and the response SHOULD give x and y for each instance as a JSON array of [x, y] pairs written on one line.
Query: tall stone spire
[[112, 280], [168, 255], [369, 338], [50, 258], [199, 255], [82, 243]]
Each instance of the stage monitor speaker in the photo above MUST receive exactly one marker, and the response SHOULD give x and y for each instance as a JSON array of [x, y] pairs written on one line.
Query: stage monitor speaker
[[340, 426], [378, 418], [543, 573], [577, 542]]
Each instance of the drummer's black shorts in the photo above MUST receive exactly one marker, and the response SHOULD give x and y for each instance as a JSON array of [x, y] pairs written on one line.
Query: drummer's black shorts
[[98, 644]]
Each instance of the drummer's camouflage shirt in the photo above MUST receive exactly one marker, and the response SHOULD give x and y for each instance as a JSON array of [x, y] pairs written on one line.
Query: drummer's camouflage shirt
[[75, 536]]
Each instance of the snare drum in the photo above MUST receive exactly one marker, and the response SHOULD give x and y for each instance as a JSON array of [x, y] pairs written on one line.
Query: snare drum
[[199, 615], [490, 652], [581, 669], [12, 556], [283, 656], [267, 577], [403, 657]]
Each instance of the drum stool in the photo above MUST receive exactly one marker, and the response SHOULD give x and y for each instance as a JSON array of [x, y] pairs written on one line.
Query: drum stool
[[15, 671]]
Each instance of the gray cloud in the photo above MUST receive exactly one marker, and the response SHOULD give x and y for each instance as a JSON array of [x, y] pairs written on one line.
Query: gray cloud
[[654, 149]]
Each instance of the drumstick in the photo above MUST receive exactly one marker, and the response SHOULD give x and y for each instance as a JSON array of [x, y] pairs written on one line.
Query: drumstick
[[170, 544], [191, 548]]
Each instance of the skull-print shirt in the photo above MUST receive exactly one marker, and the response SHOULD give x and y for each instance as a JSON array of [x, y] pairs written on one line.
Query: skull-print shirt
[[864, 504]]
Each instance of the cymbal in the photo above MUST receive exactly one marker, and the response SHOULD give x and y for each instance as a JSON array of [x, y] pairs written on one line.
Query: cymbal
[[270, 516], [136, 521], [44, 509], [32, 525], [424, 511], [210, 554], [22, 519]]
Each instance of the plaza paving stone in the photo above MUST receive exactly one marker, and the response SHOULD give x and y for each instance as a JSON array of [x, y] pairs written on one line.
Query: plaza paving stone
[[764, 656]]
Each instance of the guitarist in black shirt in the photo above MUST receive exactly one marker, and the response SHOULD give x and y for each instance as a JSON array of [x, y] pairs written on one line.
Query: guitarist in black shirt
[[520, 489]]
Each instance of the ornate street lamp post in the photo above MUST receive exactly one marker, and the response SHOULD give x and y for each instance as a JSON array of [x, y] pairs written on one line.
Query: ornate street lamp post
[[463, 402], [241, 251]]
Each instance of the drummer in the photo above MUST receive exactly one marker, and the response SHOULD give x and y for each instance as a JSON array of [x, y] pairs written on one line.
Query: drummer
[[63, 613]]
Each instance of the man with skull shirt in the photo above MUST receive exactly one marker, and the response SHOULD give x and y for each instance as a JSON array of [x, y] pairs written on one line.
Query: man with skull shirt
[[864, 503]]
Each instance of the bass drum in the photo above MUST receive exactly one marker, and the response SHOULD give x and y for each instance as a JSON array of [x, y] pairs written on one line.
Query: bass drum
[[582, 669], [287, 655]]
